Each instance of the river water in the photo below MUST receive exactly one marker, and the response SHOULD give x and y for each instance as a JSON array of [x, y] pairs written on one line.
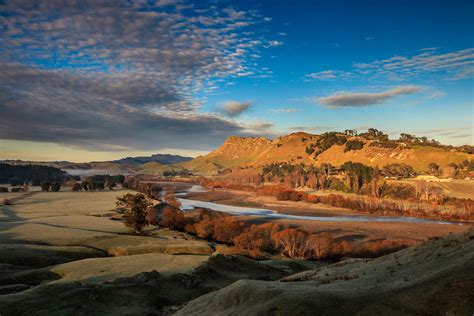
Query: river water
[[188, 204]]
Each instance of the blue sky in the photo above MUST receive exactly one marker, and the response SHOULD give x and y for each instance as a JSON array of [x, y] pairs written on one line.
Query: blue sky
[[105, 79]]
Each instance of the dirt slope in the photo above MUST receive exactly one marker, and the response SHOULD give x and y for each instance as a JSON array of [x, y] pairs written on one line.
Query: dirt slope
[[436, 277]]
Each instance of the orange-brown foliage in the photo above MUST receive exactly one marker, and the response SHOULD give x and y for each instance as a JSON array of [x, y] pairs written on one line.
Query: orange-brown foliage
[[258, 237]]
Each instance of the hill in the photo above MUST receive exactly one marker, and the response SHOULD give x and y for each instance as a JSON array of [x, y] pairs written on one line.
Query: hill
[[166, 159], [152, 164], [300, 148], [156, 168], [436, 277]]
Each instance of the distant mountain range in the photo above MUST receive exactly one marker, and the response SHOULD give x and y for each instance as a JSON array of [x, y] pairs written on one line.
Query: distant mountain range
[[153, 164]]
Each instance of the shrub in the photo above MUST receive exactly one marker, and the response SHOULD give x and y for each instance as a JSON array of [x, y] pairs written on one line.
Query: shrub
[[398, 191], [174, 218], [258, 237], [45, 186], [3, 189], [378, 248], [283, 196], [136, 206], [353, 145], [398, 170], [294, 243], [171, 200], [76, 187], [384, 144], [226, 229], [336, 184], [55, 187]]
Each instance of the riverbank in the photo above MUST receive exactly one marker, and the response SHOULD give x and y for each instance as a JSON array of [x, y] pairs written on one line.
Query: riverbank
[[351, 230]]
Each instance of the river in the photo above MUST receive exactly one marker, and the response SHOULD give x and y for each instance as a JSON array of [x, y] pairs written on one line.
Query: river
[[188, 204]]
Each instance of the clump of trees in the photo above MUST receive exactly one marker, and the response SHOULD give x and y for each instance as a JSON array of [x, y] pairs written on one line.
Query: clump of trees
[[398, 170], [353, 144], [357, 175], [324, 142], [384, 144], [50, 187]]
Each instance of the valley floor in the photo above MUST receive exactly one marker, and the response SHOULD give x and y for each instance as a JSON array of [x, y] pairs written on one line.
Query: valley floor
[[63, 253]]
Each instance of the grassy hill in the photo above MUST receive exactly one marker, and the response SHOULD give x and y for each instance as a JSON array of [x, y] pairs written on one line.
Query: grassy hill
[[259, 151], [434, 278], [156, 168]]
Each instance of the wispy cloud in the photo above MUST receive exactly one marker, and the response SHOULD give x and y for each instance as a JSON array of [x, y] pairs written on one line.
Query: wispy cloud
[[328, 75], [454, 65], [274, 43], [349, 99], [313, 128], [288, 110]]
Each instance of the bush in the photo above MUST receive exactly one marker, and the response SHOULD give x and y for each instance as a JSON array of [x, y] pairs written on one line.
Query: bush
[[55, 187], [384, 144], [378, 248], [76, 187], [353, 145], [398, 170], [174, 218], [336, 184], [258, 238], [398, 191], [45, 186], [3, 189], [294, 243]]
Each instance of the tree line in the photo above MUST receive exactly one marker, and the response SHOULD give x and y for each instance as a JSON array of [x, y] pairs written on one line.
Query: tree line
[[30, 174]]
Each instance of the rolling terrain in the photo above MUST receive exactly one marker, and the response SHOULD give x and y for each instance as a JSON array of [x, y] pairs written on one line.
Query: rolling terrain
[[259, 151]]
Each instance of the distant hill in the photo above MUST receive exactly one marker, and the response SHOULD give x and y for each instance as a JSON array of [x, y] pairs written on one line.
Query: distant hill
[[154, 164], [166, 159], [295, 149]]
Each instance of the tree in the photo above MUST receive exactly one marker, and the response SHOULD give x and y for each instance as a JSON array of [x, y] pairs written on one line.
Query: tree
[[55, 186], [170, 199], [85, 186], [353, 145], [295, 243], [45, 186], [136, 206], [433, 167], [76, 187]]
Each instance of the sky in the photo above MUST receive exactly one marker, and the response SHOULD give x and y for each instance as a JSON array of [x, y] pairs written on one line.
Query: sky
[[97, 80]]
